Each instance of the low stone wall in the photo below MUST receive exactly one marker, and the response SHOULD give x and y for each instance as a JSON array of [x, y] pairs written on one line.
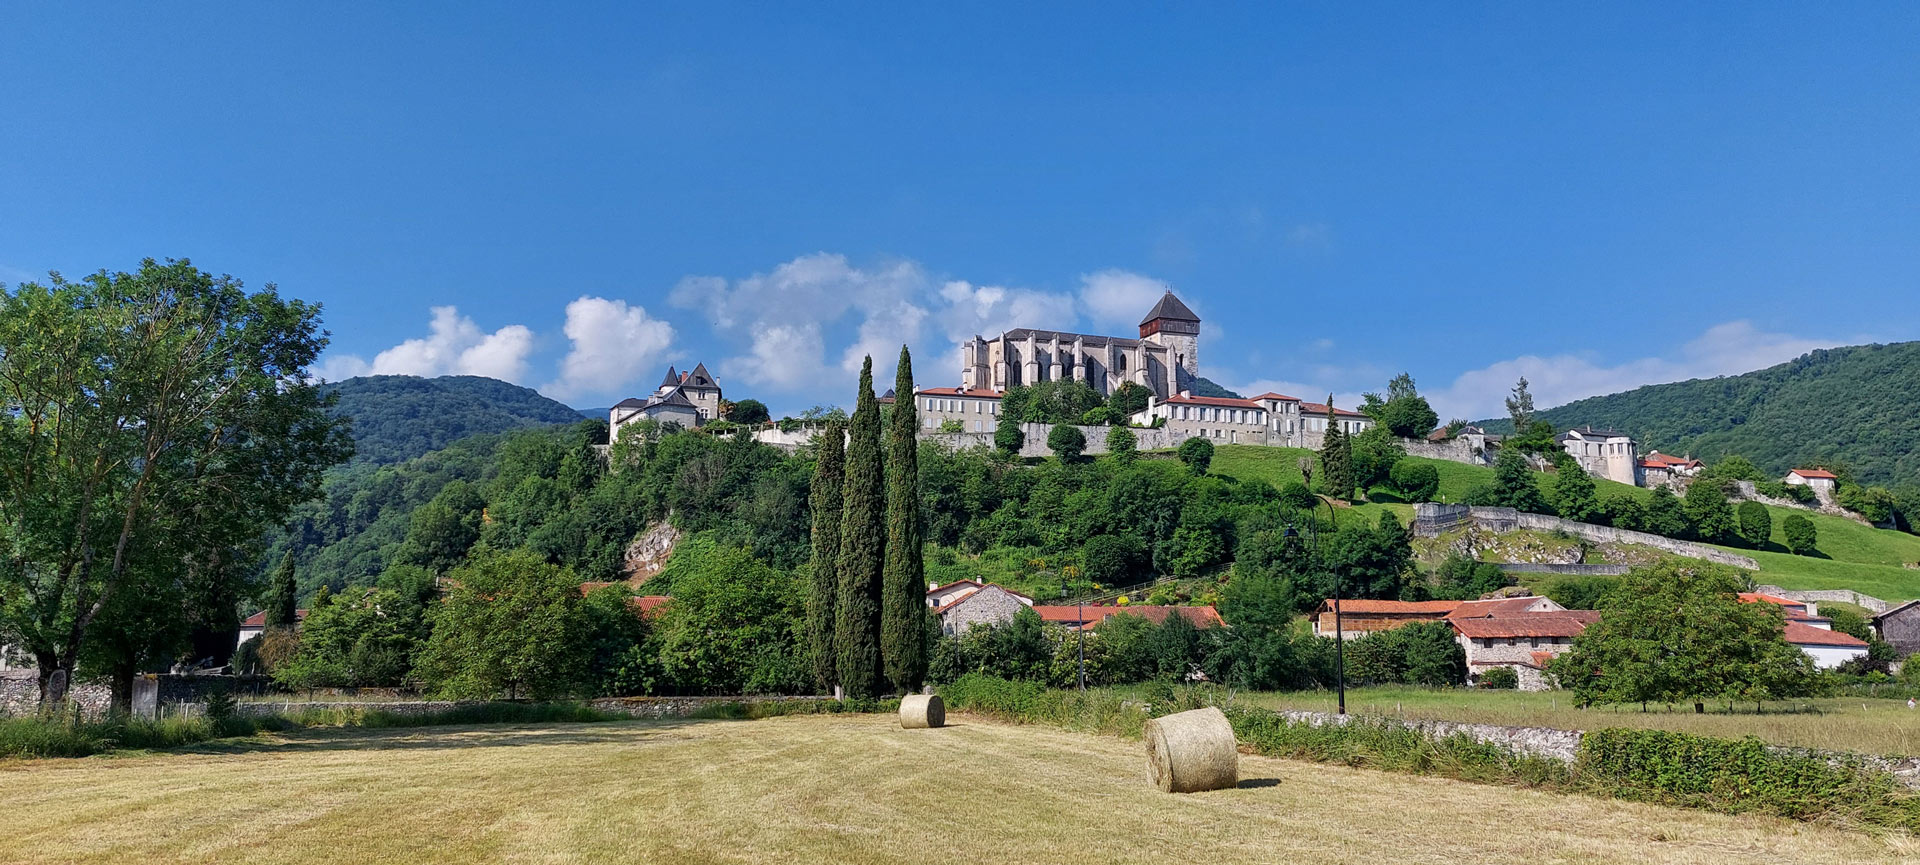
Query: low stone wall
[[20, 695], [1432, 520], [1456, 450], [396, 707], [1564, 745], [1843, 596], [1549, 742], [1577, 570], [680, 707]]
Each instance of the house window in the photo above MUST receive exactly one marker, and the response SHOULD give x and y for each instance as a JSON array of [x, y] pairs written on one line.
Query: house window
[[1534, 642]]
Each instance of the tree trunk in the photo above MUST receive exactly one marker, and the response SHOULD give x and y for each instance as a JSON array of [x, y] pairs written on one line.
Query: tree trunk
[[1699, 708], [121, 685]]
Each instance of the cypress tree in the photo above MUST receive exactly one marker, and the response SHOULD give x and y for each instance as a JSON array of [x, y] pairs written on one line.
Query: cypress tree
[[903, 612], [281, 609], [863, 541], [825, 498], [1336, 458]]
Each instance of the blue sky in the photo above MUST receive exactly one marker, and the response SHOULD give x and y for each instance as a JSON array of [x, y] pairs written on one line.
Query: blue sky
[[574, 197]]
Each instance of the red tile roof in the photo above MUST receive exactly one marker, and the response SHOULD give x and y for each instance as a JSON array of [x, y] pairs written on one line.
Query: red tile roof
[[1815, 473], [974, 583], [1201, 617], [1496, 607], [1403, 608], [648, 603], [1563, 623], [976, 593], [1803, 634], [976, 393], [1279, 396], [1178, 399], [1659, 460], [259, 619]]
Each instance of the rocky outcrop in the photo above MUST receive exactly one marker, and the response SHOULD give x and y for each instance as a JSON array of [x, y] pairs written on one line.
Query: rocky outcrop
[[649, 551]]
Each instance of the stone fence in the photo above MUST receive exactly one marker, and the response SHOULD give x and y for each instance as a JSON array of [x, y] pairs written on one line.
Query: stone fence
[[1843, 596], [1432, 520], [1554, 743], [1576, 570]]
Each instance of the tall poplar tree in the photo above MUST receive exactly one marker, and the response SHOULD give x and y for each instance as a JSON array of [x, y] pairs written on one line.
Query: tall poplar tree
[[903, 610], [1336, 458], [827, 501], [863, 541], [281, 612]]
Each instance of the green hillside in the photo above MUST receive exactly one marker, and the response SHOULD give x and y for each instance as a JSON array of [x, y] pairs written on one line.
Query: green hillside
[[1853, 404], [399, 417], [1855, 556]]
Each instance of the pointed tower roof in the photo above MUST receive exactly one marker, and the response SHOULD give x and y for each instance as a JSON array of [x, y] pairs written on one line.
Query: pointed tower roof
[[1171, 309], [700, 378], [673, 378]]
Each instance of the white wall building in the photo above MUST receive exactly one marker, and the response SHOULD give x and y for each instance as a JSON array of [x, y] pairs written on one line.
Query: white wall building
[[1603, 454]]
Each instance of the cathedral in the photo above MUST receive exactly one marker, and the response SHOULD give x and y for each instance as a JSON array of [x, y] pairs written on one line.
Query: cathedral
[[1165, 358]]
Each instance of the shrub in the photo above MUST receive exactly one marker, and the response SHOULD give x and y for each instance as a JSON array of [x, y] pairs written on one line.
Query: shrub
[[1500, 679], [1801, 534], [1122, 443], [1415, 481], [1067, 442], [1197, 453], [1756, 523], [1740, 776]]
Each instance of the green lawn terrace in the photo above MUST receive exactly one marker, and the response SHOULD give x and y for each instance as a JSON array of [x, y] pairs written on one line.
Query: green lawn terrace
[[1852, 555]]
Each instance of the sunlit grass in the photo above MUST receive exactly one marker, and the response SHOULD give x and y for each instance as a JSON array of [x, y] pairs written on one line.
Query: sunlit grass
[[844, 789]]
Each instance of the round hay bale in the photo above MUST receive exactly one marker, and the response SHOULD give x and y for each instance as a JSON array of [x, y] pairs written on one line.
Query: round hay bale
[[1192, 751], [921, 711]]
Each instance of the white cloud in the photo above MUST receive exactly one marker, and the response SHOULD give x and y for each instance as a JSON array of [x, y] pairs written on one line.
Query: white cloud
[[456, 346], [1724, 349], [791, 309], [784, 357], [1118, 298], [613, 346], [989, 310]]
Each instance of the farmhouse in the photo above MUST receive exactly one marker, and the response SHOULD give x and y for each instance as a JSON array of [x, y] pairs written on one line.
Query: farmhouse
[[1359, 618], [1658, 469], [1822, 482], [1521, 641], [252, 626], [987, 604], [1812, 633], [1899, 627]]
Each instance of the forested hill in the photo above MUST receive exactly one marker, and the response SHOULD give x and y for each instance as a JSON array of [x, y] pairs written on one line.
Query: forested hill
[[399, 417], [1855, 404]]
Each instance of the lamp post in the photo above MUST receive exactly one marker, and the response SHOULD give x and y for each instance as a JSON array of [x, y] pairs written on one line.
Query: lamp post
[[1081, 603], [1339, 631]]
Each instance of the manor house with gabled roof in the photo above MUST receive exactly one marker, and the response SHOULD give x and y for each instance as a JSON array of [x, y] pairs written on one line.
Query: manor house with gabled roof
[[1165, 358], [689, 399]]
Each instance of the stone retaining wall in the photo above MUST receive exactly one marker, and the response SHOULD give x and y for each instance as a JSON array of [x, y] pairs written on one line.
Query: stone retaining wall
[[1432, 520], [1580, 570], [680, 707], [1843, 596], [1564, 745]]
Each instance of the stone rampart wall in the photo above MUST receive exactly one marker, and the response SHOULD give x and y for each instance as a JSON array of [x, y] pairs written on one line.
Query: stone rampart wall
[[1578, 570], [1432, 520], [1843, 596]]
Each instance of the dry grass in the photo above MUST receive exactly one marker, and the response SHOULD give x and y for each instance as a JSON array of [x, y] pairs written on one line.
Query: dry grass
[[819, 789], [1869, 725]]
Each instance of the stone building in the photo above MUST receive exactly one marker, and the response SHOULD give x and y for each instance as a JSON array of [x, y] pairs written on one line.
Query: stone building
[[990, 604], [1165, 357], [1603, 453], [1521, 641], [1899, 627], [1360, 617], [1665, 470], [1226, 421], [1314, 424], [689, 399], [978, 411], [1823, 482]]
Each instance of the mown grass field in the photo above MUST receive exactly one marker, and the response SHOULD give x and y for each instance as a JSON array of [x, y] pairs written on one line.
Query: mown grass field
[[1853, 555], [854, 789], [1867, 725]]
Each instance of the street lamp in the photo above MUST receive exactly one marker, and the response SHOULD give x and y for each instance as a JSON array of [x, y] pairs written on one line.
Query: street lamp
[[1082, 629], [1339, 632]]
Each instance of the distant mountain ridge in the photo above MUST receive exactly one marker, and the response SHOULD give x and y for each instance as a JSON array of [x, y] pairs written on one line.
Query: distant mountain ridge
[[399, 417], [1858, 404]]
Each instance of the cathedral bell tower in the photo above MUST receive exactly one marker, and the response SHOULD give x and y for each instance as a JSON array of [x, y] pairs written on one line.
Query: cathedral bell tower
[[1173, 325]]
